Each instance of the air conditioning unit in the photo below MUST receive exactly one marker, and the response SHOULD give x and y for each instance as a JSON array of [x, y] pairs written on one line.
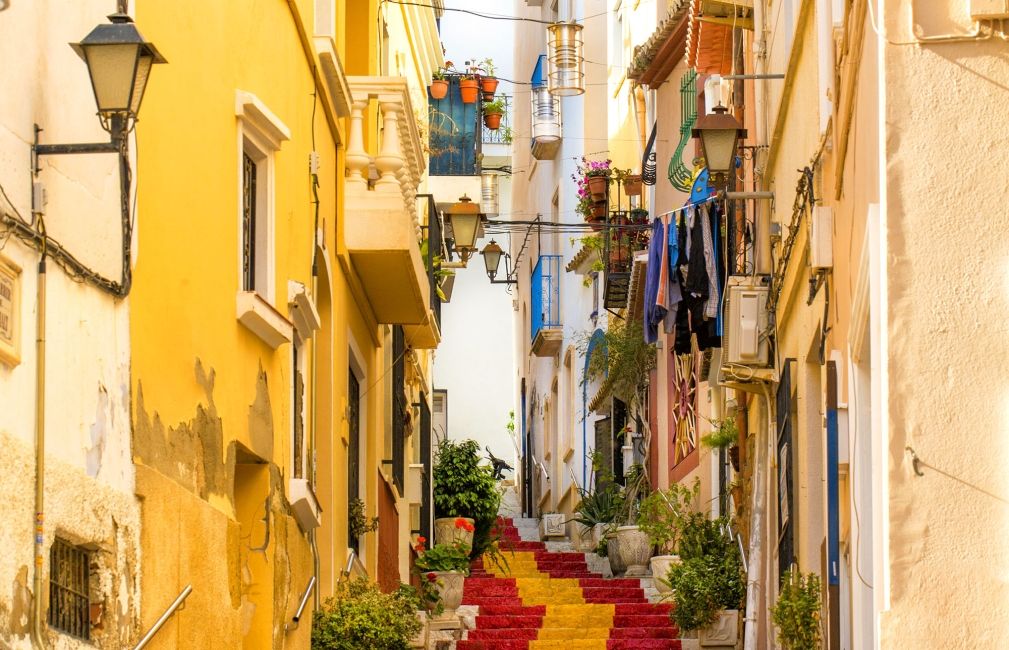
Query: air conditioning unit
[[989, 9], [821, 238], [746, 323]]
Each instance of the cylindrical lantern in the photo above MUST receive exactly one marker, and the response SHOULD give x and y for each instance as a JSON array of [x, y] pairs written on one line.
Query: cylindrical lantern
[[489, 194], [546, 115], [567, 65]]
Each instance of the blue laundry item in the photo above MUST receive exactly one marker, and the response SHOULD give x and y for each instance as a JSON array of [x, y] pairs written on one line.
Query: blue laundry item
[[653, 276]]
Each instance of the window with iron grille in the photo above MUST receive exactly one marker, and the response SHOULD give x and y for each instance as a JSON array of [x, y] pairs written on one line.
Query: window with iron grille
[[353, 448], [69, 588], [248, 223], [400, 407]]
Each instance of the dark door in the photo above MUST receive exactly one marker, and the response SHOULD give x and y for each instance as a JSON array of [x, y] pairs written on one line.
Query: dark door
[[425, 458], [354, 447], [786, 500], [604, 447], [400, 408]]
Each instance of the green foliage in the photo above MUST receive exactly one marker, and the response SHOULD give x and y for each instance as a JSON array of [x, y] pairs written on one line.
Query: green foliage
[[623, 359], [438, 75], [358, 522], [488, 68], [496, 106], [663, 514], [724, 434], [600, 506], [797, 612], [710, 576], [359, 615], [603, 548], [507, 135], [444, 557], [465, 488], [636, 484]]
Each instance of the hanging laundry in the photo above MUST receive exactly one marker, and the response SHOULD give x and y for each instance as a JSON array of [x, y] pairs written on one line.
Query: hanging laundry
[[653, 312], [711, 304]]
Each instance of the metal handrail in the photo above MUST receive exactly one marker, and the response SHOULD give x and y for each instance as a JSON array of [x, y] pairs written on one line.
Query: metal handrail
[[164, 617], [301, 606]]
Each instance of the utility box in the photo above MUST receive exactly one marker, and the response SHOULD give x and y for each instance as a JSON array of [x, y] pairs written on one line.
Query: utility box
[[989, 9], [746, 322], [821, 238]]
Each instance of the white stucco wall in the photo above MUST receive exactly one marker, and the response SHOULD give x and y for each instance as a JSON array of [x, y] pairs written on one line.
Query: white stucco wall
[[89, 475]]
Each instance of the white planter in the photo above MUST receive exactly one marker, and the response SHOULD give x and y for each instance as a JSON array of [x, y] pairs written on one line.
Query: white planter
[[635, 550], [660, 571], [723, 633], [446, 531], [553, 525], [617, 565], [449, 587]]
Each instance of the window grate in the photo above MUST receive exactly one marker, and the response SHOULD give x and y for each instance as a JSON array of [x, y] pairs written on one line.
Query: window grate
[[248, 223], [69, 580]]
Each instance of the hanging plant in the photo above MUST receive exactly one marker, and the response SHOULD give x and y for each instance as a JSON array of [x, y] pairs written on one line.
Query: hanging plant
[[358, 522], [488, 80], [492, 114], [623, 359], [439, 85], [469, 88]]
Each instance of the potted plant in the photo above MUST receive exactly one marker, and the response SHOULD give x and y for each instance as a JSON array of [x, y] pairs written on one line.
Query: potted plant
[[724, 434], [358, 523], [439, 85], [633, 543], [595, 510], [492, 114], [662, 516], [507, 135], [597, 177], [797, 611], [443, 569], [708, 583], [359, 615], [466, 499], [469, 89], [630, 181], [488, 82]]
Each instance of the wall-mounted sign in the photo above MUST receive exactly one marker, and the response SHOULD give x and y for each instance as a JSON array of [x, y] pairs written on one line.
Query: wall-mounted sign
[[10, 312]]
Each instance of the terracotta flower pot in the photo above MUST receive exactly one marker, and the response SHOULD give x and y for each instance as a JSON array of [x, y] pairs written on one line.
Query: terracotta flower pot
[[619, 256], [598, 186], [596, 223], [599, 209], [468, 90], [492, 121], [635, 550], [448, 530], [632, 185], [449, 585], [439, 88], [488, 85], [660, 571]]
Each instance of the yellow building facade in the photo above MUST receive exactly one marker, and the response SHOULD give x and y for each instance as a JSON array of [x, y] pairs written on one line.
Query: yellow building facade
[[283, 314]]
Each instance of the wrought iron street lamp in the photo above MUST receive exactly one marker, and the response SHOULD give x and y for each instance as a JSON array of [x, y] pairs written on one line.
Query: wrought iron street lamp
[[492, 254], [567, 64], [464, 217], [719, 133]]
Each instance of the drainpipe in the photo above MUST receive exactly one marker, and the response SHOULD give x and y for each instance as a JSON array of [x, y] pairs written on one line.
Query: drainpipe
[[37, 632], [763, 217], [313, 534], [755, 558]]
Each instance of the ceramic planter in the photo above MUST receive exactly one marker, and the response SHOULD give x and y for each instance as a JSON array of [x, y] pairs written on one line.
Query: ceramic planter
[[723, 633], [598, 186], [635, 550], [597, 534], [581, 537], [468, 90], [449, 587], [660, 571], [617, 565], [446, 531], [488, 86], [632, 185], [492, 121], [599, 209], [439, 88]]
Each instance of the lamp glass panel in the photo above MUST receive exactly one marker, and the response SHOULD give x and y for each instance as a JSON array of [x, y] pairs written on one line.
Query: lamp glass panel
[[144, 64], [492, 260], [464, 227], [111, 68], [719, 149]]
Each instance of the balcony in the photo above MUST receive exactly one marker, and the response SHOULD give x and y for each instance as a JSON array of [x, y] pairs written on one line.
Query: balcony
[[629, 233], [545, 310], [382, 229], [454, 139], [427, 335], [546, 115]]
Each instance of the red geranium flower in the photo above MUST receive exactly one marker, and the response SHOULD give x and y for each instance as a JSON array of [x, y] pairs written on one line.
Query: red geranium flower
[[460, 522], [421, 539], [468, 527], [432, 577]]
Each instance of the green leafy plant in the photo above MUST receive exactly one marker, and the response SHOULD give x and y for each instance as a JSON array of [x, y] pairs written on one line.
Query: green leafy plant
[[496, 106], [488, 68], [636, 484], [358, 521], [663, 514], [507, 135], [623, 360], [723, 434], [444, 557], [465, 488], [603, 548], [438, 75], [797, 612], [709, 577], [359, 615], [598, 507]]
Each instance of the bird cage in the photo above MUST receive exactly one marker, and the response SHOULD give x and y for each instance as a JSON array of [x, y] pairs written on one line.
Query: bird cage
[[489, 194], [567, 65], [546, 115]]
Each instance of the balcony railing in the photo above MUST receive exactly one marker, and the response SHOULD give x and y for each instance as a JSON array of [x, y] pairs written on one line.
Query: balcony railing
[[545, 294], [433, 234], [453, 133], [627, 232], [501, 135]]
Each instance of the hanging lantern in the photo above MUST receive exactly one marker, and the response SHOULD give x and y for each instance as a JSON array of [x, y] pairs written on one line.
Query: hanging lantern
[[492, 258], [719, 132], [464, 218], [567, 65], [546, 115], [489, 194]]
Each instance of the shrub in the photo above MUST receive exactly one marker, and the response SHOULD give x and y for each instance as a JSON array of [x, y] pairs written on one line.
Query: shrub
[[359, 616], [465, 488], [710, 576], [663, 514], [797, 612]]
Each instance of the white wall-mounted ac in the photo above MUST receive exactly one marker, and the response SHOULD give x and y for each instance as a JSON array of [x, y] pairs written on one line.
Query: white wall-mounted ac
[[821, 238], [745, 331]]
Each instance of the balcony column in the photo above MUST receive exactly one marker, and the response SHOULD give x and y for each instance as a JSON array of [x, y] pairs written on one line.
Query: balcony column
[[357, 158], [390, 159]]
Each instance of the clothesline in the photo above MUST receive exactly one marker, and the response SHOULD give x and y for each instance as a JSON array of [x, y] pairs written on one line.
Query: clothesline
[[688, 205]]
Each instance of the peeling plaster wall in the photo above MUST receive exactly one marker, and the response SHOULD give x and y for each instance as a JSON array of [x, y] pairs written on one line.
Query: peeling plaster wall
[[89, 473]]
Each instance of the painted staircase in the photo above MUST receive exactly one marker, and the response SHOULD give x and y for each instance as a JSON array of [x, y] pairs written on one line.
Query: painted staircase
[[549, 599]]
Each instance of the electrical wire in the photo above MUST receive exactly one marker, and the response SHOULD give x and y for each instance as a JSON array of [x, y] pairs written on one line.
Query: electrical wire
[[486, 15]]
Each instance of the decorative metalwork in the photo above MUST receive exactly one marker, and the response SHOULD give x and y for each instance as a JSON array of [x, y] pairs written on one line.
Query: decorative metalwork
[[400, 408], [454, 138], [248, 223], [501, 135], [545, 293], [69, 587], [679, 175], [353, 448], [685, 409]]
